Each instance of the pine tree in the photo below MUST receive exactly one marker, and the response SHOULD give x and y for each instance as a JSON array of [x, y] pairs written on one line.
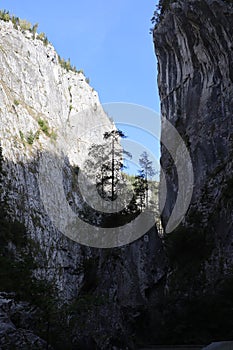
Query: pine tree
[[116, 157], [105, 164], [147, 171]]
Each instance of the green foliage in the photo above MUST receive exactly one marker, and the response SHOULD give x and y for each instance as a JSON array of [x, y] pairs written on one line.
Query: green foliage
[[53, 135], [21, 134], [24, 24], [140, 188], [157, 16], [147, 172], [46, 41], [113, 163], [15, 265], [16, 275], [162, 6], [34, 30], [16, 102], [33, 136], [146, 165], [87, 80], [37, 135], [30, 137], [105, 164], [44, 126], [43, 38], [67, 65], [15, 21], [5, 16]]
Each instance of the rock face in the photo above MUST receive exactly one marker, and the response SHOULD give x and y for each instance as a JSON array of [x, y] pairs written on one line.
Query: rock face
[[82, 297], [194, 47], [16, 319], [40, 102]]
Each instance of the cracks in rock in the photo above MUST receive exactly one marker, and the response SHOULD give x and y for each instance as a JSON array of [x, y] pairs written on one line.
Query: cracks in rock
[[7, 91], [70, 106], [41, 72], [177, 87]]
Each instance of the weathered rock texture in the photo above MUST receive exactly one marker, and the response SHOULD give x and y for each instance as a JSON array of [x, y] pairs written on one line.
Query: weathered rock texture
[[102, 295], [194, 47], [35, 87], [16, 320]]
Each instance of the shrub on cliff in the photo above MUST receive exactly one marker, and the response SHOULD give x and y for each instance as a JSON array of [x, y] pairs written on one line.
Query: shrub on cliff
[[24, 25], [43, 38], [66, 64], [162, 6], [34, 30], [44, 126], [5, 16]]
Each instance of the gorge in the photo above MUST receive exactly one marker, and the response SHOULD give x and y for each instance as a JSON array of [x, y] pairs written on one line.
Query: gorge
[[58, 294]]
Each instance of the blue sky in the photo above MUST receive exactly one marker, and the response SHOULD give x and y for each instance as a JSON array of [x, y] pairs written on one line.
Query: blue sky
[[109, 40]]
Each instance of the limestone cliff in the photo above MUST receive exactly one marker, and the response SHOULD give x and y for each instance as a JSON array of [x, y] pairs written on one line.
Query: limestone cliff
[[194, 47], [38, 99], [55, 291]]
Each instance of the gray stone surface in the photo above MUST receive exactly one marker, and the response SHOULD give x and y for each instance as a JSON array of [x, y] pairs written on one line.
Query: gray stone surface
[[193, 43], [33, 85], [15, 333], [224, 345]]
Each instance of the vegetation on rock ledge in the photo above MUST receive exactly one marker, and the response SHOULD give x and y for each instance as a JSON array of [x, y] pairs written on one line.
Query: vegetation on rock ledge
[[162, 6], [24, 25]]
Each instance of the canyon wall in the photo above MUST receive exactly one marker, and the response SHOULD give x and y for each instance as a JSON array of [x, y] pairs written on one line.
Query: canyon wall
[[54, 291], [194, 47]]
